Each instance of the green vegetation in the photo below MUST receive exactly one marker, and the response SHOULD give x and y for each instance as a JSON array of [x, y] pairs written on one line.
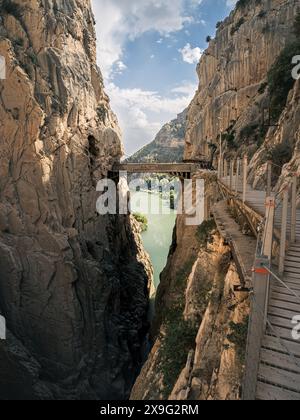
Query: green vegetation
[[208, 38], [204, 231], [255, 132], [182, 275], [33, 57], [102, 112], [297, 25], [280, 154], [238, 337], [140, 218], [280, 78], [236, 27], [176, 343], [11, 8]]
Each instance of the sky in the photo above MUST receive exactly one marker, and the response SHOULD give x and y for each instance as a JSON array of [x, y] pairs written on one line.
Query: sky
[[148, 51]]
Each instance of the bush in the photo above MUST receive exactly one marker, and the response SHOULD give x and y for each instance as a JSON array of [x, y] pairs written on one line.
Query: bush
[[11, 8], [280, 79], [176, 343], [280, 154], [142, 220], [238, 337], [236, 27], [297, 25], [208, 38], [204, 231]]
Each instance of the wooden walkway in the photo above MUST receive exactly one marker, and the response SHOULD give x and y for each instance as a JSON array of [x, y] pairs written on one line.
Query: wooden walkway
[[243, 247], [279, 364]]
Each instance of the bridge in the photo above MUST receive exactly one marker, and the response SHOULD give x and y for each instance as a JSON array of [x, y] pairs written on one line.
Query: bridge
[[273, 351], [183, 170]]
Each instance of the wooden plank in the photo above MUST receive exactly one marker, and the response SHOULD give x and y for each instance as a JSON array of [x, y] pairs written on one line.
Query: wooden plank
[[279, 377], [293, 286], [282, 290], [282, 361], [266, 392], [280, 322], [282, 312], [292, 276], [281, 346], [281, 332], [285, 298], [285, 305]]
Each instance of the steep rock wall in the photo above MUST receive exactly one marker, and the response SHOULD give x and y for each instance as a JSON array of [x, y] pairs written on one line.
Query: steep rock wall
[[233, 96], [73, 284]]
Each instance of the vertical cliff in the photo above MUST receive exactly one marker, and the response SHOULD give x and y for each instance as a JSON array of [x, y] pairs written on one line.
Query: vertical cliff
[[237, 95], [73, 284]]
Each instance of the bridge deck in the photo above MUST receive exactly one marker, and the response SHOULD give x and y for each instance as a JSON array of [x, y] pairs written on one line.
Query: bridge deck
[[279, 366], [155, 168]]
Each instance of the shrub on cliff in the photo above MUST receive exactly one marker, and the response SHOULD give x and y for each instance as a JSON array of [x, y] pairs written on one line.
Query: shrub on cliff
[[176, 343], [11, 8], [142, 220], [280, 79], [297, 25]]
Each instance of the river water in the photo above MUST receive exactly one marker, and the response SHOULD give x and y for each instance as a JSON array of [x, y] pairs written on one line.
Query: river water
[[158, 238]]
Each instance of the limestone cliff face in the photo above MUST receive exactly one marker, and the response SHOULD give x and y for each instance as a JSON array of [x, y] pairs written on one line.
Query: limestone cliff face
[[233, 94], [73, 284]]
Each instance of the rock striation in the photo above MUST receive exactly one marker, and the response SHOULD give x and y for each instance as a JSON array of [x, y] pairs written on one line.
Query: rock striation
[[73, 284]]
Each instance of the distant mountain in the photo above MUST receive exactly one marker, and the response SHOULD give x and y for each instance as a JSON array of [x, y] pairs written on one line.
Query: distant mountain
[[168, 145]]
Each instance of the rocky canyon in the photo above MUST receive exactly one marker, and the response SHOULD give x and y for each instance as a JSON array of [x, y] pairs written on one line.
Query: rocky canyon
[[73, 284]]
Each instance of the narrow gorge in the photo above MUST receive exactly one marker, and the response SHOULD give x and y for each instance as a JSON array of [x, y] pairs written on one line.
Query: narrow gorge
[[75, 285]]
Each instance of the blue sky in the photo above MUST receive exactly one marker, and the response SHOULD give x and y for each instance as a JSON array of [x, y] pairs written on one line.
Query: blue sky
[[148, 51]]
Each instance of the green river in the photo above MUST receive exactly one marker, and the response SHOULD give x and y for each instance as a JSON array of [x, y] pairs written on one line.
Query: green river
[[158, 238]]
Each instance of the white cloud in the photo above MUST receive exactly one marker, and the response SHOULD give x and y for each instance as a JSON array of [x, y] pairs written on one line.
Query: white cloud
[[191, 55], [120, 20], [142, 113], [231, 3]]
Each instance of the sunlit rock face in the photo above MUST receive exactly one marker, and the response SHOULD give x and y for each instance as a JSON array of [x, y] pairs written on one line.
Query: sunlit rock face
[[233, 93], [73, 284]]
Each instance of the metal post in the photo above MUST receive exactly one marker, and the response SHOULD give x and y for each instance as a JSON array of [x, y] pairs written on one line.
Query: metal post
[[256, 328], [285, 205], [237, 177], [294, 210], [268, 247], [269, 179], [245, 175], [231, 174]]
